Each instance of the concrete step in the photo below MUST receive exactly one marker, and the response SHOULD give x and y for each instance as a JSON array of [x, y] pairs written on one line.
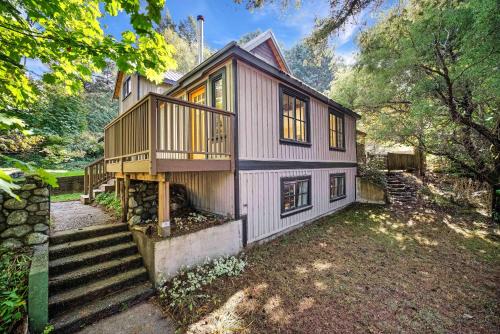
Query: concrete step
[[86, 232], [72, 262], [85, 199], [108, 188], [97, 192], [79, 246], [75, 319], [90, 274], [74, 298]]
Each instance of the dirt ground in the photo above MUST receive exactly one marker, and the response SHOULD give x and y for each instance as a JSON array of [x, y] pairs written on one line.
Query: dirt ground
[[366, 269]]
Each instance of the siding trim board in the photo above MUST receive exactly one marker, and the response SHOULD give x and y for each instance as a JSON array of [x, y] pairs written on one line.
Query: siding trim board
[[235, 153], [276, 165]]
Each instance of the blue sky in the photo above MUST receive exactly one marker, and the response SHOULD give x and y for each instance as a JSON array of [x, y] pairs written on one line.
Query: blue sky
[[226, 21]]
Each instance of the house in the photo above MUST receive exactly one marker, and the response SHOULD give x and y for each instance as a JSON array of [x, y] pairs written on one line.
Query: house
[[245, 137]]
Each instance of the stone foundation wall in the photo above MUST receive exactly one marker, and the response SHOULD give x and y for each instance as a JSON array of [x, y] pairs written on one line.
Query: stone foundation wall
[[142, 202], [25, 222]]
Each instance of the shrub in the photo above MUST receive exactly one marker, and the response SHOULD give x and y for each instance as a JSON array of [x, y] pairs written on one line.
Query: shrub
[[109, 201], [14, 269], [185, 291], [371, 171]]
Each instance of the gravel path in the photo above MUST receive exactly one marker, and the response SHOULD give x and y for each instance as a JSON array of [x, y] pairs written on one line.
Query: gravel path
[[73, 215], [144, 318]]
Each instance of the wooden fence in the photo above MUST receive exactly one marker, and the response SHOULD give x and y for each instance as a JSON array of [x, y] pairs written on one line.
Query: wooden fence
[[400, 161]]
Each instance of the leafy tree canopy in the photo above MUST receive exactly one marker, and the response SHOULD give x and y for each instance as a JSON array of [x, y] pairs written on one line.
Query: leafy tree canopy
[[428, 76], [67, 36]]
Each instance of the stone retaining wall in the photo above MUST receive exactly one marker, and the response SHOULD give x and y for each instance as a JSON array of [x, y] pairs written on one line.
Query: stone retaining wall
[[25, 222]]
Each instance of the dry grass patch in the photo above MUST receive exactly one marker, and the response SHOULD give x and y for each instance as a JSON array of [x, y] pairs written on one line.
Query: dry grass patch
[[365, 269]]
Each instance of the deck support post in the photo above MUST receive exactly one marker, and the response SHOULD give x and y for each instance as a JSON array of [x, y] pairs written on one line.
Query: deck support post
[[124, 197], [163, 208]]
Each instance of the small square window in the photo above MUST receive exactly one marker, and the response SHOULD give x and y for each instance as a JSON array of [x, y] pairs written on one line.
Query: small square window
[[337, 187], [295, 195]]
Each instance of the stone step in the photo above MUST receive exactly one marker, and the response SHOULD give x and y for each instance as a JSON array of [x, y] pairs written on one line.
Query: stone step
[[74, 298], [108, 188], [72, 262], [75, 319], [74, 247], [89, 274], [86, 233]]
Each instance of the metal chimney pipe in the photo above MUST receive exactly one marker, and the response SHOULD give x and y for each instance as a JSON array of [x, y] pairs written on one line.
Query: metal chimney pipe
[[201, 20]]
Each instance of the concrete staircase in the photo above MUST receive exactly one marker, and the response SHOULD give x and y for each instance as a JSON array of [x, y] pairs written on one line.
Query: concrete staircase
[[400, 189], [108, 186], [94, 272]]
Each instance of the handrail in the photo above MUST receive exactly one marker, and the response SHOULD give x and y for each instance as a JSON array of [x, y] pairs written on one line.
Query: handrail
[[172, 100], [95, 175]]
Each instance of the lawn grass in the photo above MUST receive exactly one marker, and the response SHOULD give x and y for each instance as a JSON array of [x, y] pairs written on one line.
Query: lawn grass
[[65, 197], [365, 269], [62, 172]]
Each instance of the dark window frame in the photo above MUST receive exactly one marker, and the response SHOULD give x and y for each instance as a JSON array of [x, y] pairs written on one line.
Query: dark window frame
[[219, 75], [126, 83], [340, 116], [335, 176], [296, 210], [304, 98]]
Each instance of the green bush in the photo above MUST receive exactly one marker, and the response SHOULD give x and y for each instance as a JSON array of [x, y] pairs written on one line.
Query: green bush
[[14, 270], [184, 292], [372, 171], [109, 201]]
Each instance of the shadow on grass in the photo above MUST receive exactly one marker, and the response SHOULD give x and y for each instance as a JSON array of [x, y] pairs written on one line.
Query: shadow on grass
[[366, 268]]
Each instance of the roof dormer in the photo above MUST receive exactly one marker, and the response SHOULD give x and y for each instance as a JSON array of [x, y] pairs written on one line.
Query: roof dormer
[[266, 47]]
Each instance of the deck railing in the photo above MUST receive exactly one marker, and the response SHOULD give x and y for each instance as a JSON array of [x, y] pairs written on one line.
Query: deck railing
[[95, 175], [165, 128]]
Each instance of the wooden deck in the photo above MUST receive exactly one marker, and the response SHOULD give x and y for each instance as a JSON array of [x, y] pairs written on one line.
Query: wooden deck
[[164, 134]]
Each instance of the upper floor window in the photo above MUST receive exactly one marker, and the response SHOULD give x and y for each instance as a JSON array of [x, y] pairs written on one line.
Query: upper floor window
[[295, 194], [218, 97], [336, 127], [127, 88], [294, 117], [337, 186], [197, 95]]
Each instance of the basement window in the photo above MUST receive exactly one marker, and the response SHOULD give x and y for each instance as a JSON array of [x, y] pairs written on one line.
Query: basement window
[[337, 186], [295, 195]]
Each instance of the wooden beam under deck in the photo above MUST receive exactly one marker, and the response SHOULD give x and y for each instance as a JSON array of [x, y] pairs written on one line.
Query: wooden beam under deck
[[170, 165]]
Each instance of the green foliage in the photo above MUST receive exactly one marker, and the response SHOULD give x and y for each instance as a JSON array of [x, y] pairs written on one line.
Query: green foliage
[[428, 77], [185, 291], [313, 66], [109, 201], [14, 269], [48, 329], [372, 172]]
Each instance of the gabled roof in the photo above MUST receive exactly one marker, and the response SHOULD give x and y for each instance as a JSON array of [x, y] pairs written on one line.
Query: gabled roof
[[267, 40], [233, 50]]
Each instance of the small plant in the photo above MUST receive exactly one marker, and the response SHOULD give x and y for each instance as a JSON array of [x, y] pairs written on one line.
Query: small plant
[[185, 291], [109, 201], [14, 269], [48, 329]]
